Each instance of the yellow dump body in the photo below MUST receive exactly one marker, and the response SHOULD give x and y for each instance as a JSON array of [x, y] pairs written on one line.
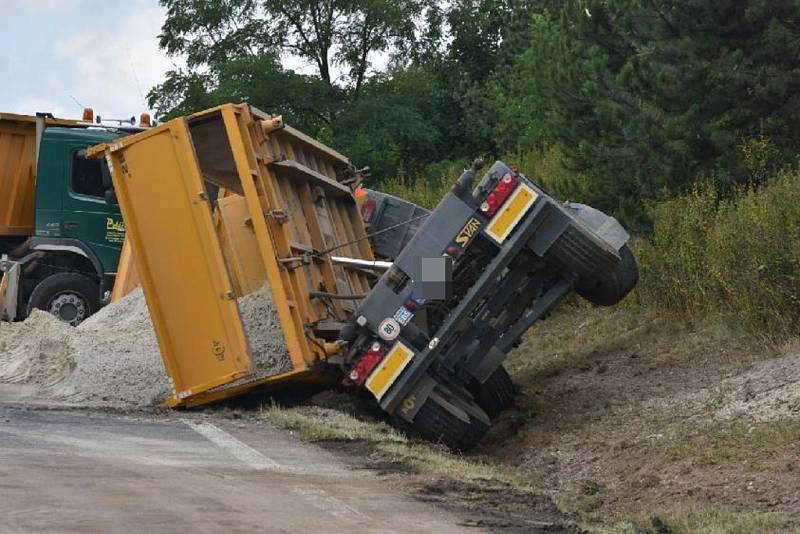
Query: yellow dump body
[[127, 278], [17, 171], [281, 201]]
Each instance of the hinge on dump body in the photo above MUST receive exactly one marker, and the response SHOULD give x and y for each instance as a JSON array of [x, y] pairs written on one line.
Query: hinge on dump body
[[272, 124], [289, 263]]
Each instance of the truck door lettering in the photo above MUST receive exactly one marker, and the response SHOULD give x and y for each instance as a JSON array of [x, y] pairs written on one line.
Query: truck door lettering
[[469, 230], [115, 230]]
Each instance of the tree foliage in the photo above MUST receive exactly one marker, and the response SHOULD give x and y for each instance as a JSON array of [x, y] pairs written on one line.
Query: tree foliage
[[642, 97], [323, 33], [648, 95]]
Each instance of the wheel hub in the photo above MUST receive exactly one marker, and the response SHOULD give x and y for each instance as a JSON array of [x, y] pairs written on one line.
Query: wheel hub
[[69, 308]]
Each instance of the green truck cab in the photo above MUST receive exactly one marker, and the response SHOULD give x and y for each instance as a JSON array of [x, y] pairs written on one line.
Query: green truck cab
[[66, 260]]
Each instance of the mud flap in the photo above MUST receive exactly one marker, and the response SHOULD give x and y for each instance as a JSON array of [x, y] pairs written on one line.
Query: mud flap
[[9, 292], [413, 402], [464, 401], [605, 226], [3, 297]]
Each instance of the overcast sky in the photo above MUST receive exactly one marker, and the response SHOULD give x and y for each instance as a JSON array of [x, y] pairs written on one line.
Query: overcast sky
[[104, 53]]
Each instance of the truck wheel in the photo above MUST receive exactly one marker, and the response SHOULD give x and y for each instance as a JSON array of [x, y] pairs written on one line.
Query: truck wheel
[[70, 297], [614, 286], [435, 422], [496, 394]]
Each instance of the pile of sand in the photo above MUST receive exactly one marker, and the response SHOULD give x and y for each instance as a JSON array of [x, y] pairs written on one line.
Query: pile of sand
[[765, 390], [263, 330], [37, 351], [113, 358], [116, 359], [768, 391]]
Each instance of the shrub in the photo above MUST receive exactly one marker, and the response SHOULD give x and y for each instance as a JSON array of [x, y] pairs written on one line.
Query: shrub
[[425, 193], [543, 166], [739, 256]]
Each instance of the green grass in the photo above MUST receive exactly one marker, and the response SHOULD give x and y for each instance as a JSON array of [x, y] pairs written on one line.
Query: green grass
[[737, 445], [697, 521], [577, 331], [324, 424]]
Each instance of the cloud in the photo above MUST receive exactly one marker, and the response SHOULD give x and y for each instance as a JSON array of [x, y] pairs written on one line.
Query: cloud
[[50, 6], [32, 105], [114, 70], [104, 54]]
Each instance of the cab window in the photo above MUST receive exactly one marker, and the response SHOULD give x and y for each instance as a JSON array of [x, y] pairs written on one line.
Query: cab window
[[87, 176]]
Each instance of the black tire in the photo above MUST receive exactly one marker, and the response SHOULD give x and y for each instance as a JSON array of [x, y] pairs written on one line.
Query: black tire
[[70, 297], [496, 394], [436, 423], [615, 285]]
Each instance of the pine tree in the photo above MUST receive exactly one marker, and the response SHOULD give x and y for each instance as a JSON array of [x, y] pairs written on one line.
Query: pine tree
[[647, 95]]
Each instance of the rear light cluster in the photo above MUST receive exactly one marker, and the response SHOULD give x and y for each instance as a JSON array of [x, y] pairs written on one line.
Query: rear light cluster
[[367, 363], [368, 210], [413, 305], [453, 251], [499, 194]]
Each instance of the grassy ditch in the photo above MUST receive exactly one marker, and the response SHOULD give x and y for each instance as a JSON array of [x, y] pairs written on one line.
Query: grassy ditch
[[322, 424], [678, 410]]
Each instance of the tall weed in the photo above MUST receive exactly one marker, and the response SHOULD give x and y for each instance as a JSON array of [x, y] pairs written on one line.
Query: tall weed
[[543, 166], [738, 256]]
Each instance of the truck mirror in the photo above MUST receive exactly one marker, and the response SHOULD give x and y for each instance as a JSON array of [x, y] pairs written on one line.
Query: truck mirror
[[111, 196], [106, 174]]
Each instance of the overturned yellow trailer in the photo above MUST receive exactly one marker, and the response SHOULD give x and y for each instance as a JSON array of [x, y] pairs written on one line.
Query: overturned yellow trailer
[[218, 203]]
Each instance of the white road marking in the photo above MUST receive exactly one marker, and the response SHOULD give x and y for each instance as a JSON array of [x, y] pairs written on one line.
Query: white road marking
[[313, 494], [242, 451]]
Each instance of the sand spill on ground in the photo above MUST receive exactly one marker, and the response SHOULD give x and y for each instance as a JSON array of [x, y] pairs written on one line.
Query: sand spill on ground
[[113, 358]]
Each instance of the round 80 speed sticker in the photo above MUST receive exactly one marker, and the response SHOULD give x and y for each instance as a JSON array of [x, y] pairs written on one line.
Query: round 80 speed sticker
[[389, 329]]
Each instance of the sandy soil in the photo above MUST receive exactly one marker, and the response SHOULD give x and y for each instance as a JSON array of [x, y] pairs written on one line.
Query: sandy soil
[[113, 358]]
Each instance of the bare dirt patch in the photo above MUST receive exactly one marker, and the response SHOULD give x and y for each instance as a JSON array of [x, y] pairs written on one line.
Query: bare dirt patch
[[620, 412]]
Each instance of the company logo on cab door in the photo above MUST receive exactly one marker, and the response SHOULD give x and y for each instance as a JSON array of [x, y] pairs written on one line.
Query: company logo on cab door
[[115, 230]]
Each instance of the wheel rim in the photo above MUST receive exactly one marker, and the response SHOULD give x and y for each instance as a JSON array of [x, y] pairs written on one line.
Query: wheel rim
[[69, 307]]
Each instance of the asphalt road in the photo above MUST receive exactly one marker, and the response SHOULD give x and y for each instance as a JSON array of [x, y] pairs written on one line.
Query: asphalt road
[[81, 471]]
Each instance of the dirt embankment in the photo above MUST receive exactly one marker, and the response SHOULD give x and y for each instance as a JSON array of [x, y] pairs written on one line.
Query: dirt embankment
[[626, 421], [623, 415]]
